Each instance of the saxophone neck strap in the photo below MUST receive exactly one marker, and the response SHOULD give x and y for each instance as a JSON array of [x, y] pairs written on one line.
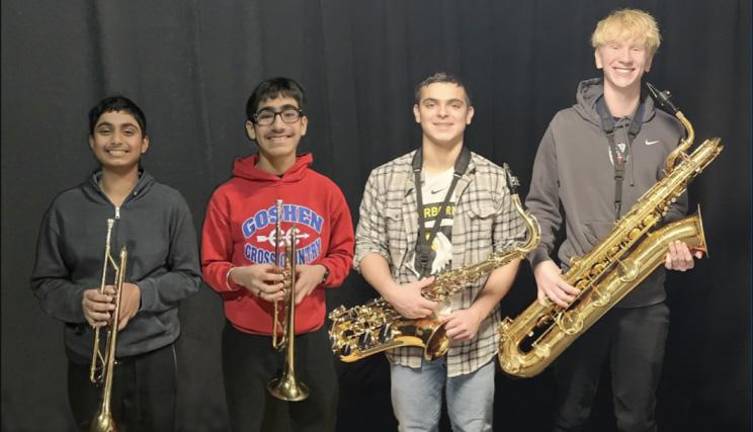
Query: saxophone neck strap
[[424, 251], [617, 153]]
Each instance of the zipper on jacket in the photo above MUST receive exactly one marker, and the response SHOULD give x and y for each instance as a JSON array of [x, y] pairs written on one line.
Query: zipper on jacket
[[117, 212]]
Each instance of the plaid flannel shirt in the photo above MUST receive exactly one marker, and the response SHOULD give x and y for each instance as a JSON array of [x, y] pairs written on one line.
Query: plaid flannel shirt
[[484, 221]]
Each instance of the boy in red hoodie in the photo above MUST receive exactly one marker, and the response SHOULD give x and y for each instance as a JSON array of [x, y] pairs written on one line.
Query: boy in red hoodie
[[238, 261]]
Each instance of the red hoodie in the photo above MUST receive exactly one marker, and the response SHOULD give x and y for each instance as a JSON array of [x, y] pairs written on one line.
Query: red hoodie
[[240, 221]]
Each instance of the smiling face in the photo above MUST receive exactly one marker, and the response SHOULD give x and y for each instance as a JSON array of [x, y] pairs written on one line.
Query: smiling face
[[117, 141], [279, 140], [443, 113], [624, 62]]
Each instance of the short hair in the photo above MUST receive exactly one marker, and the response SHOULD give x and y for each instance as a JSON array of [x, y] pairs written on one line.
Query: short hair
[[441, 77], [116, 103], [628, 24], [273, 88]]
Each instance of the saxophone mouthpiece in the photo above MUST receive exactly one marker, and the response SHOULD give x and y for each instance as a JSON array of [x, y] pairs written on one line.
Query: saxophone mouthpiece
[[512, 182], [662, 98]]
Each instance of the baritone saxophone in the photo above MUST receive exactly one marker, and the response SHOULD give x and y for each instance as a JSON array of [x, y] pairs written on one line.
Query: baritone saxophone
[[610, 271]]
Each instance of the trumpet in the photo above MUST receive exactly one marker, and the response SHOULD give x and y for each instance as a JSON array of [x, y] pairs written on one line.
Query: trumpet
[[286, 387], [103, 360]]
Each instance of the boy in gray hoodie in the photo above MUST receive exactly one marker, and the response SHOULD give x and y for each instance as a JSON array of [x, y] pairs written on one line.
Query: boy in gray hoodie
[[596, 179], [154, 223]]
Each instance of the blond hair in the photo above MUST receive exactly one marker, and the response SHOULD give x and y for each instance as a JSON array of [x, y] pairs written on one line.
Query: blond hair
[[626, 24]]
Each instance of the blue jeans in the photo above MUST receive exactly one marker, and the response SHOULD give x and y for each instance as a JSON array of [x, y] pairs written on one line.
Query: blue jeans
[[417, 397]]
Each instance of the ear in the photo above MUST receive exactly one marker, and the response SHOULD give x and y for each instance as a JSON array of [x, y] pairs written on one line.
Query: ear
[[250, 131], [416, 113], [304, 125], [649, 61], [597, 59], [469, 115], [91, 142], [144, 144]]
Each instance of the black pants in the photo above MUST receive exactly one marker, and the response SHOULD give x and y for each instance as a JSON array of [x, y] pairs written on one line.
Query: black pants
[[633, 340], [248, 364], [143, 393]]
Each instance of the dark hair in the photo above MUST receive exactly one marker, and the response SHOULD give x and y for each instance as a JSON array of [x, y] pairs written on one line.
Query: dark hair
[[117, 103], [441, 77], [273, 88]]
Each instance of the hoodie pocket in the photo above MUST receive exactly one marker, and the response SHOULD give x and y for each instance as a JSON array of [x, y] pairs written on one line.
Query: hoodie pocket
[[595, 232]]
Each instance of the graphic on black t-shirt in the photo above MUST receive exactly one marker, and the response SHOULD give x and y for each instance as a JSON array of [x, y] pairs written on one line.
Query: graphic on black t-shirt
[[433, 192]]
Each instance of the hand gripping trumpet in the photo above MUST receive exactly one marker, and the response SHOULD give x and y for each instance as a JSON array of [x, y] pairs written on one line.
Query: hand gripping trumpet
[[622, 260], [376, 326], [286, 387], [101, 370]]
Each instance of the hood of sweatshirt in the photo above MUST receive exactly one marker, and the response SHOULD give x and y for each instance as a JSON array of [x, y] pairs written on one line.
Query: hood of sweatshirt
[[93, 190], [590, 91], [245, 168]]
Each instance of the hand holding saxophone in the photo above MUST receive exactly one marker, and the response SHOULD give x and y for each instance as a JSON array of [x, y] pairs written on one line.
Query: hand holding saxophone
[[679, 257], [462, 324], [551, 286], [409, 302], [265, 281]]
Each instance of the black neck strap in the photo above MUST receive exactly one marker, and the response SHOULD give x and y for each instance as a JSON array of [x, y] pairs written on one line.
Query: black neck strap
[[424, 252], [618, 158]]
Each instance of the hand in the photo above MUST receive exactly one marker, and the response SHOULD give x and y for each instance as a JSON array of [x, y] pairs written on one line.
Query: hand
[[551, 285], [462, 324], [98, 307], [130, 301], [409, 302], [265, 281], [307, 278], [679, 257]]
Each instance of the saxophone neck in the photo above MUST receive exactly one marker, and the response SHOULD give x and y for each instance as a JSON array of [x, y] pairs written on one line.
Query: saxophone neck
[[685, 143], [663, 99], [533, 229]]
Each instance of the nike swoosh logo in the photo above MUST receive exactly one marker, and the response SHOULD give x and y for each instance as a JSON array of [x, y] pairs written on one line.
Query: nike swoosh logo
[[648, 143], [437, 191]]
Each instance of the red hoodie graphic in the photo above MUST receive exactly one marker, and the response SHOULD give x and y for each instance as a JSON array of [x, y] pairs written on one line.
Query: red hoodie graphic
[[239, 231]]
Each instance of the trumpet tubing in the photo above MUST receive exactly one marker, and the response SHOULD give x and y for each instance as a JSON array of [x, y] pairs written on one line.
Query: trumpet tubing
[[105, 363], [286, 387]]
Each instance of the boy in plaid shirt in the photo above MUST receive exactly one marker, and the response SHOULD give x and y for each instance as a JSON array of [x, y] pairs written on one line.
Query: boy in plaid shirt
[[398, 248]]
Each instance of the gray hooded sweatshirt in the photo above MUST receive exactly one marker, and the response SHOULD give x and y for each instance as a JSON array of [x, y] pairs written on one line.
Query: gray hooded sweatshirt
[[155, 225], [573, 169]]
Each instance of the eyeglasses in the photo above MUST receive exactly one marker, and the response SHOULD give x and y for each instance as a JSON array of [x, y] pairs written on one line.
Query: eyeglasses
[[266, 117]]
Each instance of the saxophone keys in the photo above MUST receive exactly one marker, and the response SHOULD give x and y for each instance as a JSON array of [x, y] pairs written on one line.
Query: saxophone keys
[[385, 333], [365, 339]]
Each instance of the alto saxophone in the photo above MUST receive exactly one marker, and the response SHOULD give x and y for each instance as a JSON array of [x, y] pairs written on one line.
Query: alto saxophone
[[376, 326], [533, 340]]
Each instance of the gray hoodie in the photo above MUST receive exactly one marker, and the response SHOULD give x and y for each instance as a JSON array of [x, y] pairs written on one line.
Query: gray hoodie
[[155, 225], [573, 179]]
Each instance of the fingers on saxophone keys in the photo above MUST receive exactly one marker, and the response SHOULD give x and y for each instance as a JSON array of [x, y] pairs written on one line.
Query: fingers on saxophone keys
[[561, 297]]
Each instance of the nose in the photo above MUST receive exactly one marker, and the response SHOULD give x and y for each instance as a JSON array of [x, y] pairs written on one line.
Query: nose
[[442, 110], [117, 138], [277, 122], [624, 55]]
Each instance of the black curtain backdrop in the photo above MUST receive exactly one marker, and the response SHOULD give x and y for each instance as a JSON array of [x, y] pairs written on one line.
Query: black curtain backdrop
[[192, 64]]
